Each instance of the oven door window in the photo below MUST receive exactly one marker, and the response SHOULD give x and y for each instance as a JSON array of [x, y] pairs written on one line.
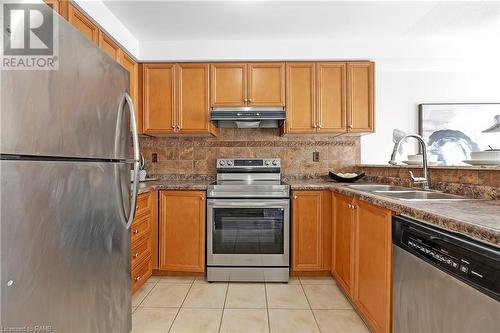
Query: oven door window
[[248, 230]]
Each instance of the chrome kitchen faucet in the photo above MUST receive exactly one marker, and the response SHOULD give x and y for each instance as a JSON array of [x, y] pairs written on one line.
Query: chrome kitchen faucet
[[415, 180]]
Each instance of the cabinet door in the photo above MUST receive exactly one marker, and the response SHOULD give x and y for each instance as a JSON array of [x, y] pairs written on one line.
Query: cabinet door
[[300, 97], [373, 260], [59, 6], [343, 240], [133, 70], [159, 98], [360, 91], [228, 84], [266, 84], [109, 46], [82, 23], [193, 107], [331, 94], [182, 231], [307, 235]]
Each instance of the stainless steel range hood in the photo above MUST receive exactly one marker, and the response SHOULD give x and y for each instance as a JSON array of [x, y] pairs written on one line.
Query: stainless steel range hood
[[248, 117]]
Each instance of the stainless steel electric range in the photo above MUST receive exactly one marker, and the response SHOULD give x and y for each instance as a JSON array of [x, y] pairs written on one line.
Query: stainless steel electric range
[[248, 222]]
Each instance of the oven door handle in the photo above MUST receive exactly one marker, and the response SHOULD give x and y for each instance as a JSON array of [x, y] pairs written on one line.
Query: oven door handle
[[268, 203]]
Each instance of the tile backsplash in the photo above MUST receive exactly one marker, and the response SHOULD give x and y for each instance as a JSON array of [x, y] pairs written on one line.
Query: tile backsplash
[[186, 156]]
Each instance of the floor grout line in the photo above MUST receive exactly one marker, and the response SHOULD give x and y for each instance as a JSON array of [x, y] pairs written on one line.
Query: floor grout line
[[310, 307], [267, 310], [223, 307], [180, 307], [146, 296]]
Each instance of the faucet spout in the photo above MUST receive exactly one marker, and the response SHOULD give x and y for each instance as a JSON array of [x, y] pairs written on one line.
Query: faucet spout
[[415, 180]]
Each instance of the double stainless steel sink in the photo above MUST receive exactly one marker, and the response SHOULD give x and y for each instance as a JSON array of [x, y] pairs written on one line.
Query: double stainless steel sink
[[405, 193]]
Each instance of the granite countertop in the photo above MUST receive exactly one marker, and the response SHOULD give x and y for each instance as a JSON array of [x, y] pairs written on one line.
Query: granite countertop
[[478, 219], [187, 185]]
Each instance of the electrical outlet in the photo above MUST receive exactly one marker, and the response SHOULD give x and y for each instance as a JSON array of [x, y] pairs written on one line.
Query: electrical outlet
[[316, 156], [154, 158]]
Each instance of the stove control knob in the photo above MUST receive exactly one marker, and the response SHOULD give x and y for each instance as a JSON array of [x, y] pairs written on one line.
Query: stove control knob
[[267, 163], [275, 162], [229, 163], [222, 163]]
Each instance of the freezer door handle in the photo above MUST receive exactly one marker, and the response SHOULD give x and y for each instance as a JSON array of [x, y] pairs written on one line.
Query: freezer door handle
[[126, 99]]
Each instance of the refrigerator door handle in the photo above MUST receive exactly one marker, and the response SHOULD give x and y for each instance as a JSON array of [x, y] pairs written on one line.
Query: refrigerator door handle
[[126, 99]]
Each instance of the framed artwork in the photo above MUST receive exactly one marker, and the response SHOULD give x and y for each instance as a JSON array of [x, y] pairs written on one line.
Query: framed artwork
[[453, 131]]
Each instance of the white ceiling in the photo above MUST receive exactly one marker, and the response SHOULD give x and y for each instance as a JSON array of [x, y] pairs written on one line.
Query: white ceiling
[[288, 20]]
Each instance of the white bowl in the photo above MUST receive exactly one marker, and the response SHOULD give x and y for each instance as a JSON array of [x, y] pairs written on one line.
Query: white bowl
[[485, 155]]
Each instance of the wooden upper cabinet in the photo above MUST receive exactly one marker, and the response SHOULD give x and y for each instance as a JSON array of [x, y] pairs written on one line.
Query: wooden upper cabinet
[[109, 46], [343, 241], [83, 24], [360, 96], [300, 97], [182, 231], [159, 98], [133, 70], [193, 98], [307, 233], [373, 261], [331, 95], [266, 84], [59, 6], [228, 84]]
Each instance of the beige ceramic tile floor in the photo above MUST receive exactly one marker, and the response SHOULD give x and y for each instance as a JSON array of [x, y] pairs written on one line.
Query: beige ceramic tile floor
[[187, 304]]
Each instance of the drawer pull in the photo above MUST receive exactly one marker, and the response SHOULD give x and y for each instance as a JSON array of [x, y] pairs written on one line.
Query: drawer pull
[[136, 231], [137, 278], [136, 254]]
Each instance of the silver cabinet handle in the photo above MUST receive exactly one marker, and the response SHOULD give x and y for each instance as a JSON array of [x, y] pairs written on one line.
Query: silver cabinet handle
[[126, 99], [245, 100], [250, 100]]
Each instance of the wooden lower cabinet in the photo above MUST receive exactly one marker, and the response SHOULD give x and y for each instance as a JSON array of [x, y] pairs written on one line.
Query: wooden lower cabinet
[[372, 269], [182, 231], [311, 231], [363, 258], [144, 239], [343, 242]]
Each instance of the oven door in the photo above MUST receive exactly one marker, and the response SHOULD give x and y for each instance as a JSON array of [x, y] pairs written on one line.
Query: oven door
[[248, 232]]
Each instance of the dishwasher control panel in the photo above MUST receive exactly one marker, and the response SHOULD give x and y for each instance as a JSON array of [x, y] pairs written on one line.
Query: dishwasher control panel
[[471, 262]]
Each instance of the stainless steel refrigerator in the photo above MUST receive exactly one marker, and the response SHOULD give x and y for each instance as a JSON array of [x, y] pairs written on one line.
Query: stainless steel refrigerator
[[65, 192]]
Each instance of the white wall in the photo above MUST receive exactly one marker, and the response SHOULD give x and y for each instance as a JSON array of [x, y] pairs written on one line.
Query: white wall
[[398, 93], [109, 23]]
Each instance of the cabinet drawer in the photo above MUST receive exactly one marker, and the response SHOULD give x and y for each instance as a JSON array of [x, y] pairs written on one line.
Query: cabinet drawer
[[143, 204], [141, 273], [139, 251], [140, 228]]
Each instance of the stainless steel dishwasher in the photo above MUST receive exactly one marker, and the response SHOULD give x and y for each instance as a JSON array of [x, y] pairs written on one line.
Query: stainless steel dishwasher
[[442, 281]]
